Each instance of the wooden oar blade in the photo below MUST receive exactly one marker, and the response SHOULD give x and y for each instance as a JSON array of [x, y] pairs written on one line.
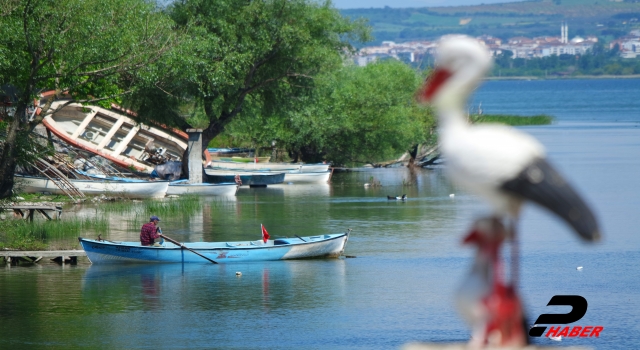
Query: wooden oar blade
[[185, 247]]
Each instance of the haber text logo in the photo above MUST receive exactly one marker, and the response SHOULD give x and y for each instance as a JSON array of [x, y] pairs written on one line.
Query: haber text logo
[[579, 309]]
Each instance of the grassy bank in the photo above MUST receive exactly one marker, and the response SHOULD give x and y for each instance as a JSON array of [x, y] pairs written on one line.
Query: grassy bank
[[513, 120], [61, 234], [43, 235]]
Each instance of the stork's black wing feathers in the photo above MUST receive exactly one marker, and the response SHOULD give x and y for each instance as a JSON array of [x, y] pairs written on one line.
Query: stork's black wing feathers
[[541, 183]]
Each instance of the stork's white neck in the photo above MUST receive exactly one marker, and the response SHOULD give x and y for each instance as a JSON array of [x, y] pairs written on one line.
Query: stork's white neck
[[452, 119]]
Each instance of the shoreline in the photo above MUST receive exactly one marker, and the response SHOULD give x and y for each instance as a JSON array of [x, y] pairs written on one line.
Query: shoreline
[[524, 77]]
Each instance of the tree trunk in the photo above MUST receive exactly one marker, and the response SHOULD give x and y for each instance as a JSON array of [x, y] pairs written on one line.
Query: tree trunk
[[413, 153], [9, 153]]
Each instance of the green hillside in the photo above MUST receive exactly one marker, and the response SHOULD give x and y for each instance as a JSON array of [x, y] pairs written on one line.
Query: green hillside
[[603, 18]]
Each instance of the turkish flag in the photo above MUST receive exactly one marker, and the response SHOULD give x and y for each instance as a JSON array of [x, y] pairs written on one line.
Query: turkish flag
[[265, 234]]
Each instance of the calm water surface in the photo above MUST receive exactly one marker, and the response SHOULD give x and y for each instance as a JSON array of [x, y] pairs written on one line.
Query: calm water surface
[[408, 263]]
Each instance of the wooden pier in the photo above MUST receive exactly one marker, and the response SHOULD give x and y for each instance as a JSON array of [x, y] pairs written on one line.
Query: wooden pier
[[31, 209], [14, 257]]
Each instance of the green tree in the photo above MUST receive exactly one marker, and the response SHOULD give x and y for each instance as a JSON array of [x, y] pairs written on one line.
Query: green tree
[[249, 58], [86, 50], [356, 115]]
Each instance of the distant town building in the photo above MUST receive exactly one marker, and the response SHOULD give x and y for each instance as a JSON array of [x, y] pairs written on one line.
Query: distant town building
[[629, 45], [520, 47]]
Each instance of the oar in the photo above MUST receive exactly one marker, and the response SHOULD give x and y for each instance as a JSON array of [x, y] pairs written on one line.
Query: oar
[[300, 238], [184, 247]]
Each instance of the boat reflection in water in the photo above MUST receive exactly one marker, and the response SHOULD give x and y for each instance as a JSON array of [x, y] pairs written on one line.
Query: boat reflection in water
[[179, 288], [290, 190]]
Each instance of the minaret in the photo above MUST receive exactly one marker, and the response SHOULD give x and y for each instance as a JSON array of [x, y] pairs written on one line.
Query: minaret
[[564, 33]]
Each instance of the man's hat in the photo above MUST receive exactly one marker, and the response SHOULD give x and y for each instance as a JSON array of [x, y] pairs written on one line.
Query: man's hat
[[154, 218]]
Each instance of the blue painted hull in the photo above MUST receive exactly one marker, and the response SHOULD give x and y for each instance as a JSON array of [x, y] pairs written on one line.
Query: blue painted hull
[[323, 246], [249, 179]]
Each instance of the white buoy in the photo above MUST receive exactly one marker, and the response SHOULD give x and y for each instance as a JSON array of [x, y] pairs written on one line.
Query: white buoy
[[452, 195], [579, 268], [238, 273]]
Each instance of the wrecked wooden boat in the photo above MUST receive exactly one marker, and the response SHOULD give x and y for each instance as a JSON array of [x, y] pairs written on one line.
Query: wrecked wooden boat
[[111, 134], [321, 246]]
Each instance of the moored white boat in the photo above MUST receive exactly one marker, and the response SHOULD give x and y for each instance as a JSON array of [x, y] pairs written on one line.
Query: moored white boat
[[321, 246], [306, 168], [204, 189], [112, 188], [259, 178]]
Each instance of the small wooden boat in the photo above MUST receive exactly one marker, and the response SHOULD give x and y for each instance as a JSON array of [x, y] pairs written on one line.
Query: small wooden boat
[[251, 178], [305, 168], [111, 134], [108, 187], [204, 189], [322, 246]]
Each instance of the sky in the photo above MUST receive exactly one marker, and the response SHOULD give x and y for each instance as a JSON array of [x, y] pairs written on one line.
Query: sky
[[352, 4]]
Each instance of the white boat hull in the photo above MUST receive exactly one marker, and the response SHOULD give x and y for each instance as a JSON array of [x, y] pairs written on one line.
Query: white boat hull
[[111, 188], [202, 189], [307, 178], [305, 168]]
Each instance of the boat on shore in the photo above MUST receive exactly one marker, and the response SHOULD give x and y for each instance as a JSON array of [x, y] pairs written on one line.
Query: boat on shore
[[111, 134], [305, 168], [251, 178], [108, 187], [321, 246], [181, 187]]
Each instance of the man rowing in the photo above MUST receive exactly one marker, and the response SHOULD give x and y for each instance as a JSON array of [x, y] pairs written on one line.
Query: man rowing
[[150, 231]]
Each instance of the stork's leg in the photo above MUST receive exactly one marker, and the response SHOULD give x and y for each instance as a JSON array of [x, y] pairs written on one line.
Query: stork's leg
[[515, 251], [511, 226]]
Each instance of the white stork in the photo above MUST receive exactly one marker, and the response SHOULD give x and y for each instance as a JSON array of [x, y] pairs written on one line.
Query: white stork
[[504, 166]]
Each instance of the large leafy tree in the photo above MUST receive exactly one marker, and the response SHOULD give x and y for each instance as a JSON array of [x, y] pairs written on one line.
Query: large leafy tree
[[85, 49], [355, 115], [243, 58]]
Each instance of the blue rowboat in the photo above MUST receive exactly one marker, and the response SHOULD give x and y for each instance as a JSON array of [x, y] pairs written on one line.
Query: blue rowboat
[[322, 246], [251, 178]]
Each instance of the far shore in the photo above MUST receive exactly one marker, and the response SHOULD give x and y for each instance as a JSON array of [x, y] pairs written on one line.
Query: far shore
[[633, 76]]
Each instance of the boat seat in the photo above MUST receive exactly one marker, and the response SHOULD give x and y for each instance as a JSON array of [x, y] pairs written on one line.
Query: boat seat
[[280, 242], [235, 244]]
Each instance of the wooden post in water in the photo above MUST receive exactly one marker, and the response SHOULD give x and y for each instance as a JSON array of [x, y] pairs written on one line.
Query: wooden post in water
[[194, 158]]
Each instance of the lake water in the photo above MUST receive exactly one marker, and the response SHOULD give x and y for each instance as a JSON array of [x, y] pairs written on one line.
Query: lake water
[[408, 263]]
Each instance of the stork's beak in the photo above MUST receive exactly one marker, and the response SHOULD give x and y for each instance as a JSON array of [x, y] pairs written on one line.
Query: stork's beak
[[433, 84]]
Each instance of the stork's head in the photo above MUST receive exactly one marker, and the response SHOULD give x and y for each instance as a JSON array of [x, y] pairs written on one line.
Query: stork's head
[[460, 64]]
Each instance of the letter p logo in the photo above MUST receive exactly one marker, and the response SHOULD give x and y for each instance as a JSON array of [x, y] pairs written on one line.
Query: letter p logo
[[578, 303]]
